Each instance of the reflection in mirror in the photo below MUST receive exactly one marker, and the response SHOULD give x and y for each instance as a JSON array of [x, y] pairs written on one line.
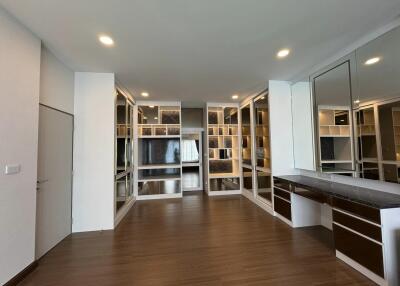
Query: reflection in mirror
[[262, 145], [262, 132], [332, 91], [247, 160], [367, 156], [379, 81], [246, 136], [332, 88], [230, 115], [389, 122], [148, 114], [264, 185], [378, 115]]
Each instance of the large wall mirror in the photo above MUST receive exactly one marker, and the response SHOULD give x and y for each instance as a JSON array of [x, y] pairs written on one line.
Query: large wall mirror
[[377, 108], [356, 114], [332, 91]]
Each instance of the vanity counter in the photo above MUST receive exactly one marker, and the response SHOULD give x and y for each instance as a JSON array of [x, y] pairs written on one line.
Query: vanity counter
[[372, 198]]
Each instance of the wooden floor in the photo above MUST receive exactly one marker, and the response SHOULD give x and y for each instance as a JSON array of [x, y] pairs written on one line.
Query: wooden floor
[[196, 241]]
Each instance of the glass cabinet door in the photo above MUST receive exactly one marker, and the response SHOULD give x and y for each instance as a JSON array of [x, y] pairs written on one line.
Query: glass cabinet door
[[262, 148], [123, 151], [247, 148]]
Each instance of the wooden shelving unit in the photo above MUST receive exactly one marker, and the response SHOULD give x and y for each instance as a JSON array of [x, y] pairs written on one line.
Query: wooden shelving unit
[[335, 140], [222, 146], [158, 145]]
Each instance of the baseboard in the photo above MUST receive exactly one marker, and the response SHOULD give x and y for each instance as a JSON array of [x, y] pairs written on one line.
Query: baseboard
[[20, 276]]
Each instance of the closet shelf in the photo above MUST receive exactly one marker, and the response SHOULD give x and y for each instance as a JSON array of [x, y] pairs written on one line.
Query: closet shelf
[[159, 166], [159, 136], [223, 175], [336, 161], [160, 178]]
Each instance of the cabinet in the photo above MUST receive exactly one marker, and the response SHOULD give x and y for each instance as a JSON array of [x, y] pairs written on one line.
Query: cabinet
[[222, 149], [255, 148], [124, 171], [158, 149]]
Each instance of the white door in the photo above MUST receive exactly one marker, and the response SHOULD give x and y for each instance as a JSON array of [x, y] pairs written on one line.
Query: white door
[[54, 188]]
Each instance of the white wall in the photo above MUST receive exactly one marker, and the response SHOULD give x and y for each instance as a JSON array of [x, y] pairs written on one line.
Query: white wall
[[19, 111], [281, 127], [56, 83], [93, 186]]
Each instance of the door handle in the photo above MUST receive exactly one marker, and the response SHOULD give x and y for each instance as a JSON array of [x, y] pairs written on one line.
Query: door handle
[[41, 181]]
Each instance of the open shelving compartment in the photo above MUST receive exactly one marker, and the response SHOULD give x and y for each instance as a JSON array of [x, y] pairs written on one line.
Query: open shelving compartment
[[223, 149], [158, 148], [335, 140]]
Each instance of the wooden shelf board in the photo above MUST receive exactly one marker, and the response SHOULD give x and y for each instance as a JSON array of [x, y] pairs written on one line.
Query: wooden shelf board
[[223, 175]]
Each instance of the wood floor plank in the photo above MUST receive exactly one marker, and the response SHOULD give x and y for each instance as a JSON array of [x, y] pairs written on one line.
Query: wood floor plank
[[196, 241]]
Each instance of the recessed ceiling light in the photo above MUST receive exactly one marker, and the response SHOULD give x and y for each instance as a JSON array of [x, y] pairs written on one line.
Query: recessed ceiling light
[[156, 118], [145, 94], [357, 101], [106, 40], [263, 97], [372, 61], [145, 117], [151, 106], [235, 96], [283, 53]]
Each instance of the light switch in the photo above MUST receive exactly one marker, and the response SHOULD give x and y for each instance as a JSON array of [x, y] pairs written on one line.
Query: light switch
[[13, 169]]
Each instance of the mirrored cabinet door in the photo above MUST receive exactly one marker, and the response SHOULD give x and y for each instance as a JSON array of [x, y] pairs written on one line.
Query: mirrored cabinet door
[[262, 148], [124, 177], [333, 104], [247, 147], [378, 107]]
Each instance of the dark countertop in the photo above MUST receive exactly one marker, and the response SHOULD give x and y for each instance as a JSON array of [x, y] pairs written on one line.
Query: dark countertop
[[373, 198]]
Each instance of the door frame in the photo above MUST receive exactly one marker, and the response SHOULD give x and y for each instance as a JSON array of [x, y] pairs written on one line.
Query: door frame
[[197, 131], [72, 170]]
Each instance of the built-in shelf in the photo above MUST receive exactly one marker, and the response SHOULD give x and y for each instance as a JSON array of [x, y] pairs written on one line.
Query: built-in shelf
[[222, 147], [159, 178], [159, 166], [159, 150]]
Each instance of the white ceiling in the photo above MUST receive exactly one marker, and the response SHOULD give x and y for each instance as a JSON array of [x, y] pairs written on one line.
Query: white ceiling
[[203, 50]]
